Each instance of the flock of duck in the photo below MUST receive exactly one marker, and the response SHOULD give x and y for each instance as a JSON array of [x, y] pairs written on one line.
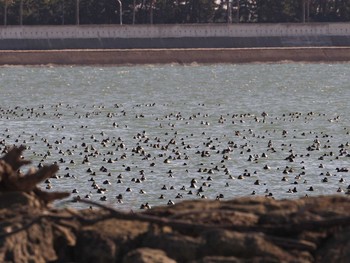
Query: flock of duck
[[133, 158]]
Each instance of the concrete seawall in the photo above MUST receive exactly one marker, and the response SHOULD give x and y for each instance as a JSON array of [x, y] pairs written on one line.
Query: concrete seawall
[[149, 44], [181, 56], [174, 36]]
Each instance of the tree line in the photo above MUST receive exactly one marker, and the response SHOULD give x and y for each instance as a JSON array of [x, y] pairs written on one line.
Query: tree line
[[68, 12]]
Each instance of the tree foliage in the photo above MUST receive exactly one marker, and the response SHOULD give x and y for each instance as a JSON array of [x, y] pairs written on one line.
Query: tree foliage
[[58, 12]]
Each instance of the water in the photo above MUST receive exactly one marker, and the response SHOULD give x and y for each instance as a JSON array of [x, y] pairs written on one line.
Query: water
[[179, 113]]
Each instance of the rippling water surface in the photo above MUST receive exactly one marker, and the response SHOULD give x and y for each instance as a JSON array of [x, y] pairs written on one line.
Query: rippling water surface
[[169, 124]]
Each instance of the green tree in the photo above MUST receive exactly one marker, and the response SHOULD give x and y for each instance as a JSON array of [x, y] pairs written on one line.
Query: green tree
[[58, 12], [330, 10], [248, 11], [278, 11]]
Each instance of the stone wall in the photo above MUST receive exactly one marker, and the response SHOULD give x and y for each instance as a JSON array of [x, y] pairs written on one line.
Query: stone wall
[[173, 36]]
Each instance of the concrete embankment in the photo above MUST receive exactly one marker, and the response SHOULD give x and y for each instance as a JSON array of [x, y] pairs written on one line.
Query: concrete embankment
[[192, 43], [174, 36], [181, 56]]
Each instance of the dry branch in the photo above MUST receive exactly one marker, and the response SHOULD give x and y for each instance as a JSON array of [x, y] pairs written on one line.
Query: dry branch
[[12, 180]]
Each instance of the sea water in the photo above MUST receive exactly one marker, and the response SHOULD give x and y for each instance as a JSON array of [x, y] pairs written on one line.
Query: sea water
[[155, 128]]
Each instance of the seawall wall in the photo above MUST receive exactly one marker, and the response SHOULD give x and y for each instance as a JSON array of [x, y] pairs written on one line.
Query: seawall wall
[[181, 56], [174, 36]]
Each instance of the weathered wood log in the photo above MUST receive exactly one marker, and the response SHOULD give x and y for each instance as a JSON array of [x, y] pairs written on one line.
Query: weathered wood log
[[13, 180], [14, 157]]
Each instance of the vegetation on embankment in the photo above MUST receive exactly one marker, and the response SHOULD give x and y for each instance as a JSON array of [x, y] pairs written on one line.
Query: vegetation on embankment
[[58, 12]]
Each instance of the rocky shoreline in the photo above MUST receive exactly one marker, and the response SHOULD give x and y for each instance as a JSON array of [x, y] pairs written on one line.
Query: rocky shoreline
[[180, 56], [240, 230], [260, 229]]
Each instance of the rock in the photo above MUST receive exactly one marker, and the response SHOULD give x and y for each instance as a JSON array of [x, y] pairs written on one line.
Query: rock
[[218, 259], [147, 255], [93, 246], [180, 247], [241, 230], [34, 244], [336, 249], [242, 245]]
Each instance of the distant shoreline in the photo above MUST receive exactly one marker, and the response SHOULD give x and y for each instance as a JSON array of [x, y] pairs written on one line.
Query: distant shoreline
[[168, 56]]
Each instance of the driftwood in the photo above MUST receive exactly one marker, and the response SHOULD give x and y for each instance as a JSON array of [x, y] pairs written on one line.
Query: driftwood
[[13, 180]]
